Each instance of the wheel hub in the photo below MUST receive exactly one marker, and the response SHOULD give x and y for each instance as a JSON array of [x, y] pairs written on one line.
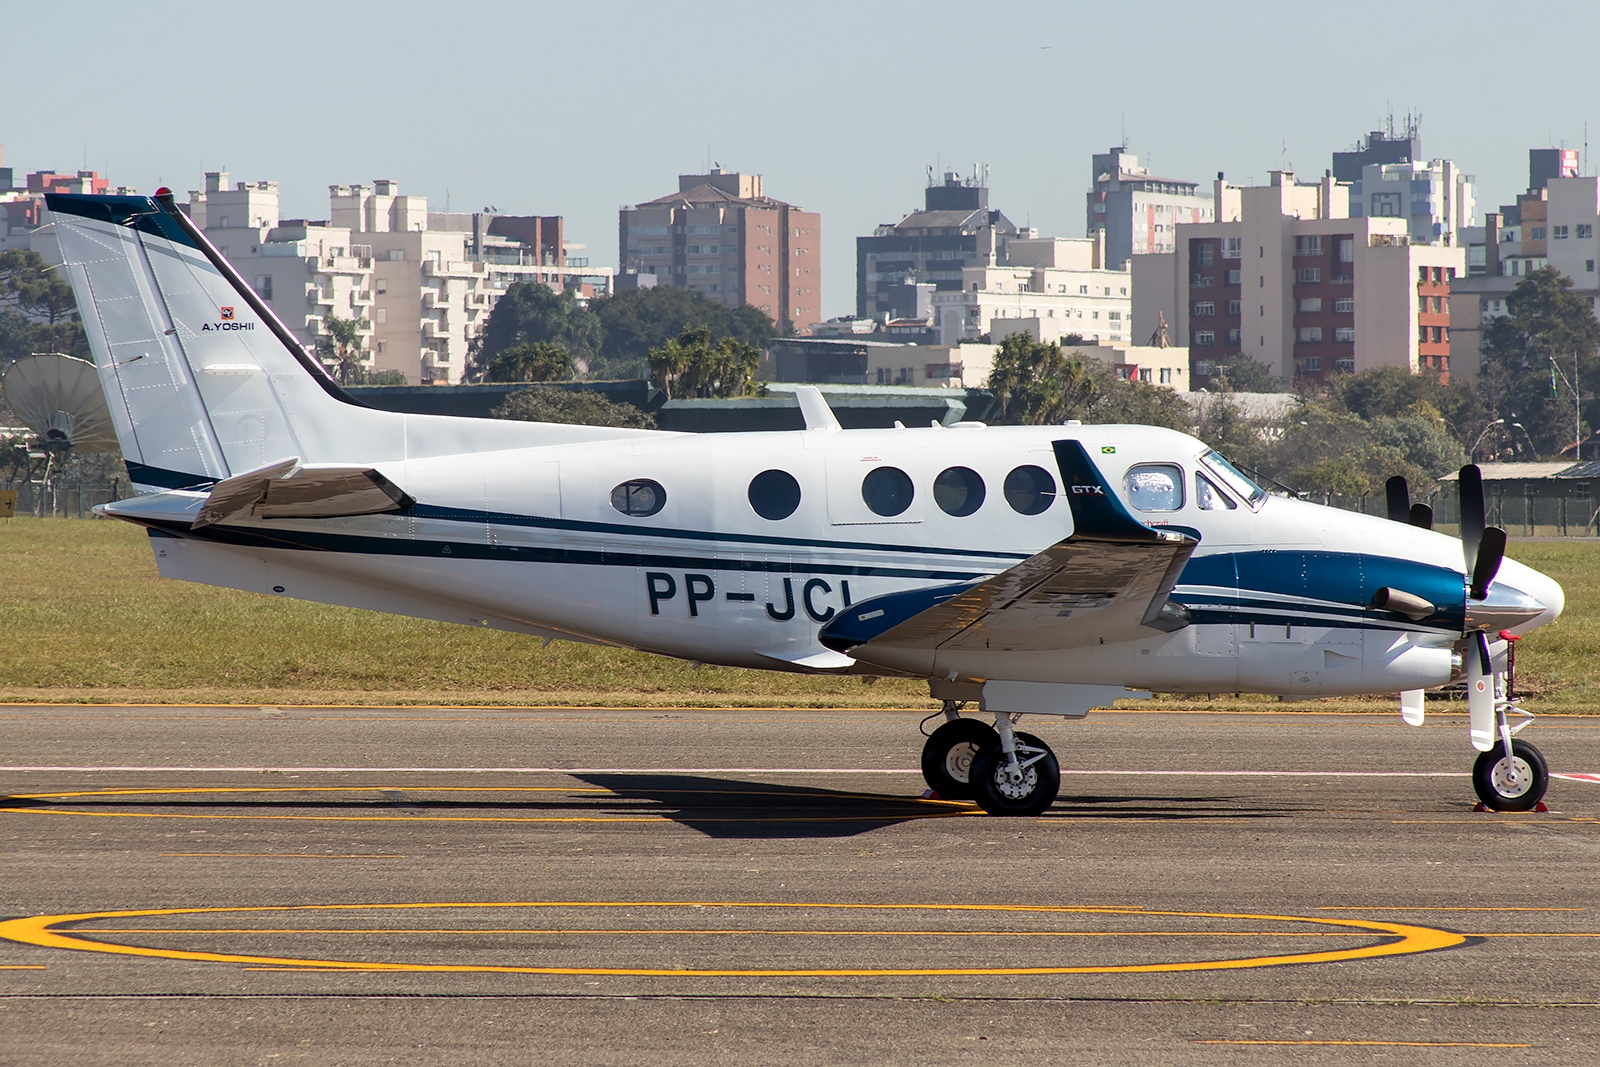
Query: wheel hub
[[1512, 777], [958, 761], [1015, 786]]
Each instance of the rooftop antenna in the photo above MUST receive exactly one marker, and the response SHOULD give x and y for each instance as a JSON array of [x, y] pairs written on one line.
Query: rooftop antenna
[[1124, 129]]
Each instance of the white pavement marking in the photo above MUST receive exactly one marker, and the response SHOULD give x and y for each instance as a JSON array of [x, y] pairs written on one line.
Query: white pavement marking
[[731, 770]]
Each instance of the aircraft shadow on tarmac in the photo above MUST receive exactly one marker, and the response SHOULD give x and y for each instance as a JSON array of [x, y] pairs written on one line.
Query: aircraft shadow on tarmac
[[716, 807]]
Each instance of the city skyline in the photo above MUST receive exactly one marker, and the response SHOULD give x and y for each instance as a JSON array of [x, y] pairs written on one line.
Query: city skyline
[[807, 99]]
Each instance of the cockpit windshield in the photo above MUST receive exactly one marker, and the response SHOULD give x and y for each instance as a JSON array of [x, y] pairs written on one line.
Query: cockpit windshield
[[1232, 477]]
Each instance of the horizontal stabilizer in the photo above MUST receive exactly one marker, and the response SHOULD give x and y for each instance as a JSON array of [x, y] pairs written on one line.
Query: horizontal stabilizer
[[286, 490]]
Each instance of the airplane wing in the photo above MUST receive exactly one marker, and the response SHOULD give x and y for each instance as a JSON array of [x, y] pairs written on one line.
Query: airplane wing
[[1109, 580], [287, 490]]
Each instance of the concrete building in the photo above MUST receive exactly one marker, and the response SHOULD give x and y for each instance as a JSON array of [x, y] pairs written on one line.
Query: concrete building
[[955, 229], [418, 285], [1286, 276], [1379, 148], [1051, 288], [1138, 211], [1556, 223], [721, 236], [24, 220], [1435, 198]]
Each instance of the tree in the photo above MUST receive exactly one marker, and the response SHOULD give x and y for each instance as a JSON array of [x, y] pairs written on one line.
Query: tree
[[342, 346], [1133, 402], [689, 365], [1239, 373], [1545, 321], [529, 314], [1035, 383], [637, 322], [1394, 392], [35, 290], [542, 361], [550, 403]]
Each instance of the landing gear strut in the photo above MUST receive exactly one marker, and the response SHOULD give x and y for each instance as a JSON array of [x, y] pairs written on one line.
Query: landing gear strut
[[1006, 772], [1512, 774]]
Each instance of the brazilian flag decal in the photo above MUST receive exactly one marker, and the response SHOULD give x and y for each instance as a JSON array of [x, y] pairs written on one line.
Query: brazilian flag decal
[[1108, 450]]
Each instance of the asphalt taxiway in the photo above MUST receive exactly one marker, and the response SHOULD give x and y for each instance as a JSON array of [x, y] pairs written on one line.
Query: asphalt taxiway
[[360, 885]]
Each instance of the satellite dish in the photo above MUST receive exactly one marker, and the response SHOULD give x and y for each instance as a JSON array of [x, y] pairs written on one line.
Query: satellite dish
[[60, 399]]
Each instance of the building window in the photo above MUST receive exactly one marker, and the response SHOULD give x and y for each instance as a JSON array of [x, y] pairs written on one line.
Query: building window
[[1202, 252], [264, 286], [1233, 338], [1347, 250], [1233, 307], [1202, 338], [1231, 247], [1585, 231], [382, 316], [1344, 305], [1313, 363], [1535, 233], [1558, 233], [1311, 335], [1205, 367], [1310, 305], [1344, 335], [1114, 316], [382, 286], [1166, 375], [1346, 364], [1233, 277], [1308, 275], [1588, 265], [1308, 246], [1204, 308], [1083, 290], [1438, 274]]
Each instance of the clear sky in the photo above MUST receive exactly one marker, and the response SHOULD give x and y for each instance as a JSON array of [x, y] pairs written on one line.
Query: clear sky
[[576, 109]]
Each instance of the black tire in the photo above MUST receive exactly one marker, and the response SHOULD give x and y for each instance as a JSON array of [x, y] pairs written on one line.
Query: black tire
[[997, 795], [1533, 777], [948, 755]]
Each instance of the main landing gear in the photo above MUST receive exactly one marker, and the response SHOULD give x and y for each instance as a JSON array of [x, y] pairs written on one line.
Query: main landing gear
[[1006, 772]]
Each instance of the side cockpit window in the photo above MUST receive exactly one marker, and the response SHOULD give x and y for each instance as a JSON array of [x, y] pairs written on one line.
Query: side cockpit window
[[1155, 486], [1208, 497]]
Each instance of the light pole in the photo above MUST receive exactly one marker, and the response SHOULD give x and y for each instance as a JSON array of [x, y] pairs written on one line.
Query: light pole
[[1473, 451]]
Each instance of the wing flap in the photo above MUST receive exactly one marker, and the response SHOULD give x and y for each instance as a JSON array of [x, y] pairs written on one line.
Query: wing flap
[[287, 490]]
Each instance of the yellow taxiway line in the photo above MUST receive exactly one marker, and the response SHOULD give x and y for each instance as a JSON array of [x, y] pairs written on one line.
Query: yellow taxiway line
[[1400, 940]]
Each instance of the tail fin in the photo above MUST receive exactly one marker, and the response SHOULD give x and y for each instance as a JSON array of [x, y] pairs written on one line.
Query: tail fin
[[204, 381]]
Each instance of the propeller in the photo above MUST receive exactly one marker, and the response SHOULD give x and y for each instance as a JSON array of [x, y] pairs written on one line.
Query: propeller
[[1401, 509], [1483, 547]]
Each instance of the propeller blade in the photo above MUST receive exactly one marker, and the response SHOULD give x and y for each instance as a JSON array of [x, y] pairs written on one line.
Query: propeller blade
[[1472, 512], [1422, 516], [1399, 495], [1491, 550]]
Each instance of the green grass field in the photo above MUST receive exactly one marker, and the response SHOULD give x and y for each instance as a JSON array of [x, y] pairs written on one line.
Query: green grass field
[[85, 618]]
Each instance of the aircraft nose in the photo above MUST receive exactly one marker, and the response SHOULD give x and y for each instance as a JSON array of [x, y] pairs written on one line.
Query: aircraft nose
[[1541, 587]]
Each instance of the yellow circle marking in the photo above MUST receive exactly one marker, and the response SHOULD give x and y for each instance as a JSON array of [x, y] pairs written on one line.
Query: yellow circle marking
[[40, 931]]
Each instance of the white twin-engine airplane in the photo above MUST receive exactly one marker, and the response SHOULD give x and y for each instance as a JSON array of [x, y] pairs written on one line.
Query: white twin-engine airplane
[[946, 554]]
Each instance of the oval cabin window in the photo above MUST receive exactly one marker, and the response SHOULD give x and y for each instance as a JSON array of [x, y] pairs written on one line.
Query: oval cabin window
[[774, 495], [639, 497], [1030, 490], [887, 491], [958, 491]]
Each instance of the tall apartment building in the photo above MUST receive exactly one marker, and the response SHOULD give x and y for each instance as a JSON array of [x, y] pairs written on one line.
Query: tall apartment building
[[418, 285], [1050, 288], [24, 220], [721, 236], [1556, 223], [1435, 198], [1138, 211], [1287, 277], [956, 229]]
